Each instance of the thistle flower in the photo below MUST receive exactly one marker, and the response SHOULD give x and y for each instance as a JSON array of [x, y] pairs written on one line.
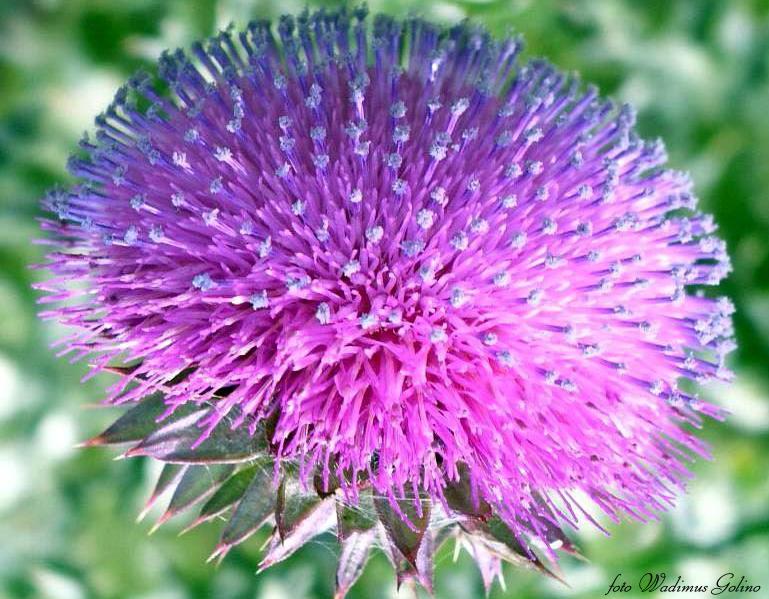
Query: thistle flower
[[405, 288]]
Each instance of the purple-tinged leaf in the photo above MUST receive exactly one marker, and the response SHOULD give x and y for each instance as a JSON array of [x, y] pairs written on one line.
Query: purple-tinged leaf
[[223, 446], [388, 547], [502, 541], [315, 523], [489, 564], [559, 541], [135, 423], [293, 504], [169, 475], [325, 488], [168, 437], [422, 572], [406, 534], [356, 518], [554, 534], [253, 510], [225, 496], [354, 553], [459, 496], [178, 442], [129, 370], [444, 532], [197, 483], [121, 370]]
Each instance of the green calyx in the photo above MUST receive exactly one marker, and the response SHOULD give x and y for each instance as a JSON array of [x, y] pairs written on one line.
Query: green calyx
[[234, 476]]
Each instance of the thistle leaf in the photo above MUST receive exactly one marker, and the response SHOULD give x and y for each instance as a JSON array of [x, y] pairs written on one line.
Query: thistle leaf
[[195, 485], [318, 521], [321, 488], [554, 533], [489, 564], [168, 437], [558, 540], [134, 424], [253, 510], [459, 496], [502, 541], [223, 446], [177, 442], [444, 532], [225, 496], [423, 571], [405, 571], [388, 547], [355, 518], [352, 559], [406, 535], [292, 506], [169, 475]]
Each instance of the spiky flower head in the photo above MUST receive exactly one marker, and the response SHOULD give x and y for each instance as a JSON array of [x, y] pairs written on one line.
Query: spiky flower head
[[386, 266]]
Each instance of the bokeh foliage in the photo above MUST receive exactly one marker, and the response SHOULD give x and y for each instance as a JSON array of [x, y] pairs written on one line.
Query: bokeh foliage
[[697, 70]]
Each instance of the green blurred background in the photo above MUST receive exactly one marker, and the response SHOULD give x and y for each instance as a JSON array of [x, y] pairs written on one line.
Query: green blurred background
[[697, 70]]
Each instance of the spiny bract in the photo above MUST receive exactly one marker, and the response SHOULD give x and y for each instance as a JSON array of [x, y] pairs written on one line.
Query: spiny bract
[[404, 287]]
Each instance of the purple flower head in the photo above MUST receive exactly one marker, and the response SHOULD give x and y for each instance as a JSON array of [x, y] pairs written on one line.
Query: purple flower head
[[416, 264]]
